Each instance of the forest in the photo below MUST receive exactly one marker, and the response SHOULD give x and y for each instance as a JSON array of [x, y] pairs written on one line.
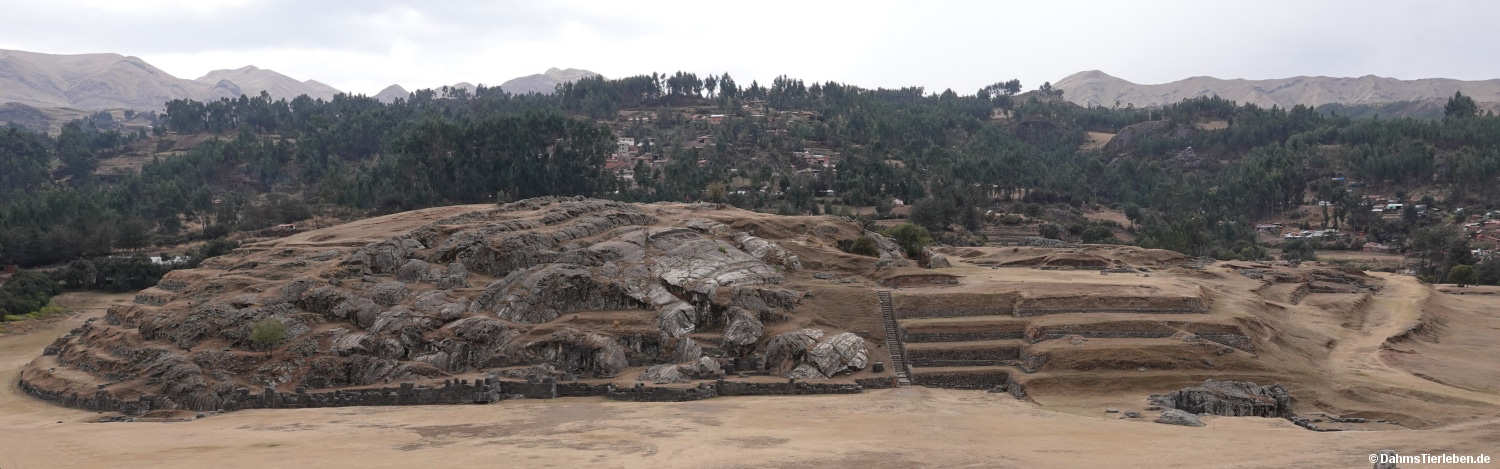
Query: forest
[[952, 156]]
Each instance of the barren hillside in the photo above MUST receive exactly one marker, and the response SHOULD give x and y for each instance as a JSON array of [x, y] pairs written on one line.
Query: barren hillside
[[1097, 88], [544, 82], [112, 81]]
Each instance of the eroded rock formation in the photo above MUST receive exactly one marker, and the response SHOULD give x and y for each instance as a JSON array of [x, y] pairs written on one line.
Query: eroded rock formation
[[550, 288]]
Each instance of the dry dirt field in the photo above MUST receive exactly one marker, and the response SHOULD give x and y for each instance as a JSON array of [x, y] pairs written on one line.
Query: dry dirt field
[[904, 427]]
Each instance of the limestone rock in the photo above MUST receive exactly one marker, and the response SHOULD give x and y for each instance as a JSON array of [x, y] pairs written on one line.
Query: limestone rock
[[932, 260], [677, 319], [579, 352], [743, 330], [415, 271], [891, 254], [805, 371], [768, 251], [389, 293], [838, 354], [455, 276], [785, 351], [1179, 417], [1229, 398], [703, 368], [540, 294], [663, 374]]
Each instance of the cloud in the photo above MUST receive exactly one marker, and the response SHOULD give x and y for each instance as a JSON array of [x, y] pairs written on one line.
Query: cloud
[[362, 46]]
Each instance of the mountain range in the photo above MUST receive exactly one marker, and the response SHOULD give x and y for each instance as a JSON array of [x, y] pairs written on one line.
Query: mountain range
[[542, 83], [95, 82], [105, 81], [1096, 88]]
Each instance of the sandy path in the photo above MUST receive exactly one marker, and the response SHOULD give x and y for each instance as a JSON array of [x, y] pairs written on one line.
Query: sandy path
[[1357, 358], [908, 427]]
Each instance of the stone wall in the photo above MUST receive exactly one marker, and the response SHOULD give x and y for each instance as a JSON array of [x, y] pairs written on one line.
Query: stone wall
[[455, 391]]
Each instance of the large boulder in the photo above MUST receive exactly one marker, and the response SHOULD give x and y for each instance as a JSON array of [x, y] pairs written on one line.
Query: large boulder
[[1179, 417], [455, 276], [677, 319], [838, 354], [891, 254], [579, 352], [768, 251], [743, 330], [663, 374], [389, 293], [542, 293], [786, 350], [702, 368], [415, 271], [1229, 398]]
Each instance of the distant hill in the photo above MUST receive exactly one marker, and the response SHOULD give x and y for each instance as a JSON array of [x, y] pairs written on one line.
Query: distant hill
[[544, 83], [252, 79], [391, 93], [94, 82], [1100, 89]]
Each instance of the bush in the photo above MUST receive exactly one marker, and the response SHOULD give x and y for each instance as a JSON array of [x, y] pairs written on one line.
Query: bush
[[215, 231], [1032, 210], [864, 246], [1050, 231], [214, 248], [1462, 275], [27, 292], [1098, 235], [1011, 219], [912, 238], [267, 333], [1298, 250]]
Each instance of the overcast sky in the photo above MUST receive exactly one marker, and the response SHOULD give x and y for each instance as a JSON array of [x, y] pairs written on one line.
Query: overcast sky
[[362, 46]]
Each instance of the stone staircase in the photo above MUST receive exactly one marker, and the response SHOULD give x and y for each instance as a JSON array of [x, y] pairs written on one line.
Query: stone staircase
[[893, 339]]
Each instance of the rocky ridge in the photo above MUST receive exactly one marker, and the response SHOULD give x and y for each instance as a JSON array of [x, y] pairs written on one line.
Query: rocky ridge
[[542, 289]]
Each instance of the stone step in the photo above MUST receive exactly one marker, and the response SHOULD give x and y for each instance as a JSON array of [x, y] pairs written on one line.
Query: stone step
[[963, 329], [969, 353], [964, 377], [1167, 353]]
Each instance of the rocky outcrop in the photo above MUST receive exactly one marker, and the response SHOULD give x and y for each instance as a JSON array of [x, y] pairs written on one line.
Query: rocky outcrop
[[933, 260], [768, 251], [1179, 417], [839, 354], [800, 354], [542, 293], [570, 287], [702, 368], [743, 331], [785, 351], [1229, 398], [891, 254]]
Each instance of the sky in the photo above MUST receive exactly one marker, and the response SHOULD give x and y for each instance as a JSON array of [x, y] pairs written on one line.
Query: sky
[[363, 46]]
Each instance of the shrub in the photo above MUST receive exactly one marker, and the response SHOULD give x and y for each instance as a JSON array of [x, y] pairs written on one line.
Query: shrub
[[1462, 275], [864, 246], [1097, 234], [267, 333], [1050, 231], [912, 238], [1298, 250], [27, 292]]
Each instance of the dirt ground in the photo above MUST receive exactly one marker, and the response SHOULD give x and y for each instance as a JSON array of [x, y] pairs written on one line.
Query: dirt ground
[[905, 427]]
